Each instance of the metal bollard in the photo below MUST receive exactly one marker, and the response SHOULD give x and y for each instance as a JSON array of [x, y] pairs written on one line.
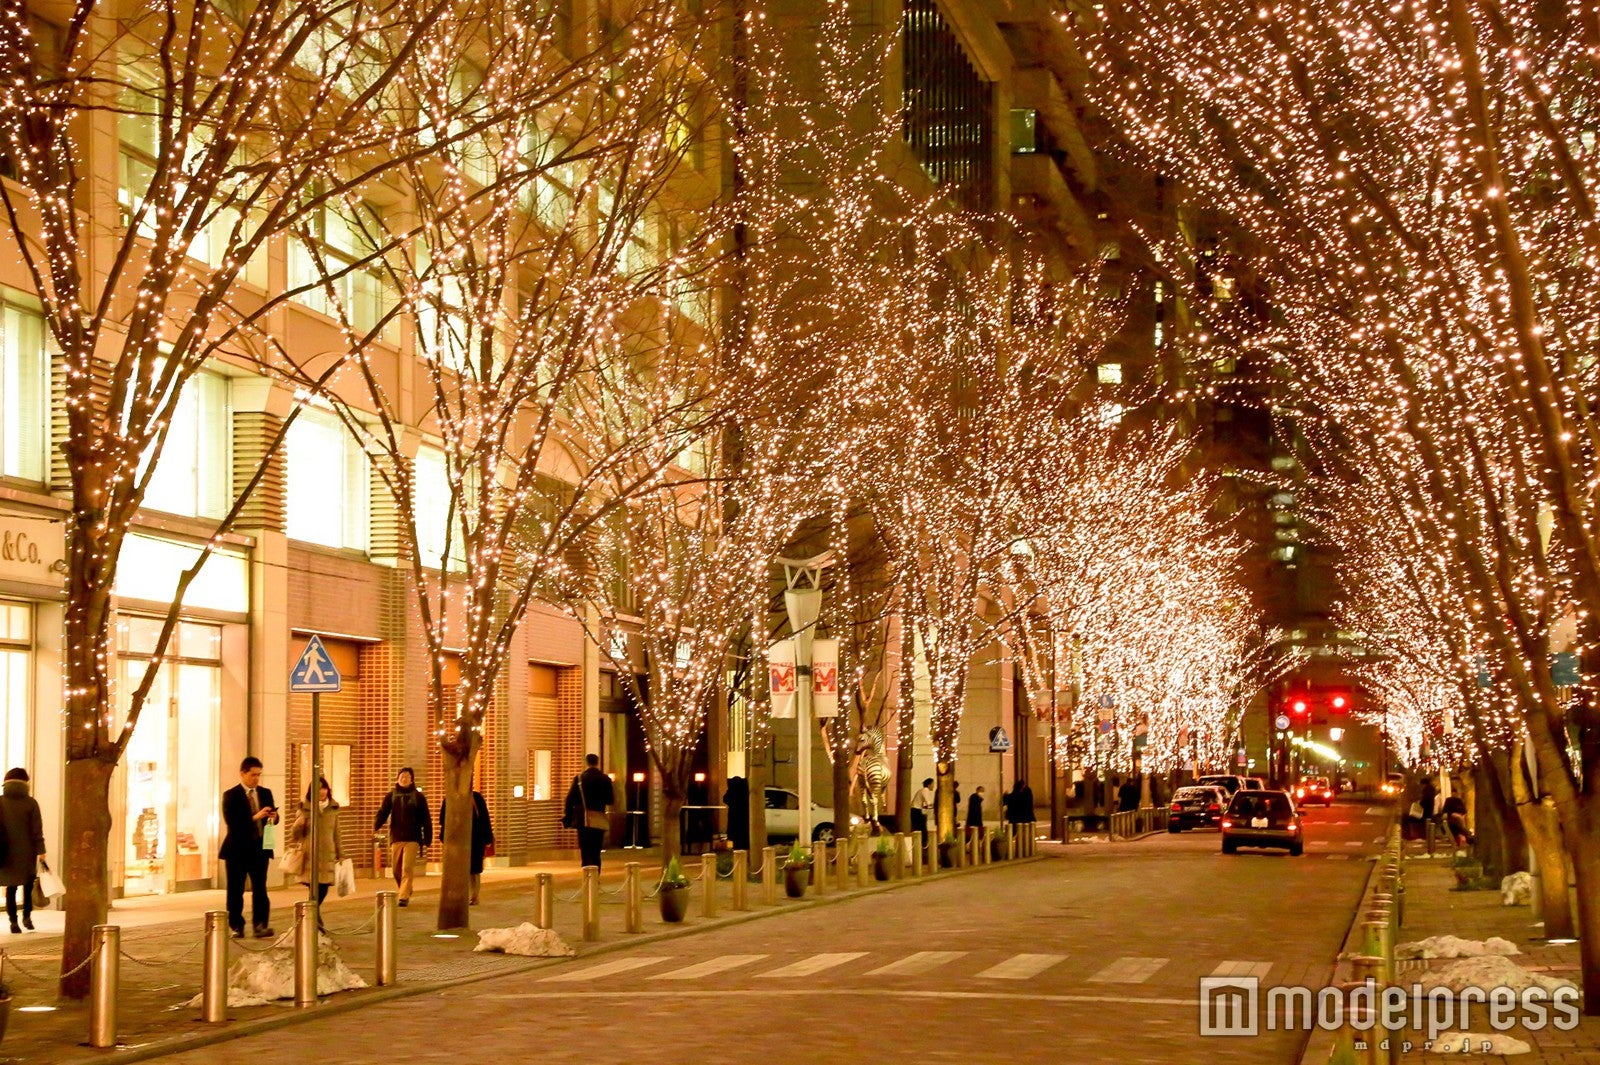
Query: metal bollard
[[633, 916], [544, 900], [863, 860], [930, 850], [741, 881], [916, 853], [769, 875], [708, 878], [104, 971], [591, 904], [214, 969], [387, 962], [305, 954], [900, 846], [841, 857]]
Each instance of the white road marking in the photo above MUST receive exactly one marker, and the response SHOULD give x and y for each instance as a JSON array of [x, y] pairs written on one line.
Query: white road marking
[[815, 964], [605, 968], [787, 994], [1377, 811], [1128, 971], [1352, 843], [710, 967], [923, 961], [1257, 969], [1021, 966], [1337, 857]]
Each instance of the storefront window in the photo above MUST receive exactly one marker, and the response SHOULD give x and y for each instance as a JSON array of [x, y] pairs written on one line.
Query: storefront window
[[16, 682], [327, 483], [171, 812]]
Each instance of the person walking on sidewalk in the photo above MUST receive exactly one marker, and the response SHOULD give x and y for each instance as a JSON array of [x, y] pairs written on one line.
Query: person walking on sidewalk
[[975, 810], [247, 810], [1019, 803], [1128, 796], [329, 851], [24, 835], [590, 795], [410, 829], [482, 839], [922, 806]]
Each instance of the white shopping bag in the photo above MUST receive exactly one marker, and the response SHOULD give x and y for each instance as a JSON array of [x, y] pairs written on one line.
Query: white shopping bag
[[344, 877], [50, 884]]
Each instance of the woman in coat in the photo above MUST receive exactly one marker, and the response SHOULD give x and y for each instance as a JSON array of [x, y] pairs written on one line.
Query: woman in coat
[[24, 828], [329, 853], [482, 837]]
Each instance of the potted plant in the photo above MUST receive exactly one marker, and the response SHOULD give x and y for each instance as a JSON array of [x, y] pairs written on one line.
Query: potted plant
[[1468, 870], [997, 843], [881, 858], [796, 872], [947, 851], [674, 893]]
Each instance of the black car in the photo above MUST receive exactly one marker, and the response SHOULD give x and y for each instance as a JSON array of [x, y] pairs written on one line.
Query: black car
[[1262, 819], [1228, 782], [1196, 807]]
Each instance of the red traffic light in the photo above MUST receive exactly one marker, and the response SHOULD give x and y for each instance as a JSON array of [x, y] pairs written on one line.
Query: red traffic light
[[1298, 706], [1339, 701]]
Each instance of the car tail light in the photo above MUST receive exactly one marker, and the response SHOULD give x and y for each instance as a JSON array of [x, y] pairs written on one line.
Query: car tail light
[[1213, 807], [1293, 827], [1226, 823], [1177, 807]]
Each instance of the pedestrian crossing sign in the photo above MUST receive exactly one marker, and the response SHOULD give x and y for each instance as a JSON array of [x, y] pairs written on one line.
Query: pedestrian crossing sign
[[314, 671]]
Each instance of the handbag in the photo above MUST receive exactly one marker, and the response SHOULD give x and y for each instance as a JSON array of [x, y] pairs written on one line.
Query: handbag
[[597, 819], [344, 877], [1416, 810], [292, 861], [40, 899]]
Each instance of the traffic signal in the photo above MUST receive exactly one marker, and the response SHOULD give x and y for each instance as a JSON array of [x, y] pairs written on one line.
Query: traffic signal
[[1338, 702], [1298, 706]]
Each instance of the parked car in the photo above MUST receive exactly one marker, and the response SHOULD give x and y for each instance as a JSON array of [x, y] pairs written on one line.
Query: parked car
[[783, 816], [1262, 819], [1254, 784], [1314, 789], [1228, 782], [1196, 807]]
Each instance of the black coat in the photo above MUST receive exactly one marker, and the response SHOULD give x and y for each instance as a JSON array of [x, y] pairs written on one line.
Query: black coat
[[406, 810], [975, 811], [24, 828], [1019, 805], [242, 832], [598, 791], [482, 831]]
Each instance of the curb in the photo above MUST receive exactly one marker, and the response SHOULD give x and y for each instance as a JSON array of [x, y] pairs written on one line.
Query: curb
[[334, 1007]]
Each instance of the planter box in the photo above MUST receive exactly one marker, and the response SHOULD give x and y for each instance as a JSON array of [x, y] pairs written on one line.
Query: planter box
[[880, 866], [674, 902], [795, 878]]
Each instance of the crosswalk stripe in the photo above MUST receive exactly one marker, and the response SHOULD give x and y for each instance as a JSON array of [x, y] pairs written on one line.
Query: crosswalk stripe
[[605, 968], [1352, 843], [710, 967], [1337, 857], [923, 961], [1021, 966], [1257, 969], [815, 964], [1373, 811], [1128, 971]]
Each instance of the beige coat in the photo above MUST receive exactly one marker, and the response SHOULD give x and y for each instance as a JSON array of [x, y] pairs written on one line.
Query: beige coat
[[328, 851]]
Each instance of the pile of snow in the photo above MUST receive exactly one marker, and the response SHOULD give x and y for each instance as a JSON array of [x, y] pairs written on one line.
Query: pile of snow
[[526, 939], [1516, 889], [1477, 1043], [1453, 947], [257, 978], [1488, 971]]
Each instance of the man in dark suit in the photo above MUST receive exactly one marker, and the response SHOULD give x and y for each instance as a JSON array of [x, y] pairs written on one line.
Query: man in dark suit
[[247, 808]]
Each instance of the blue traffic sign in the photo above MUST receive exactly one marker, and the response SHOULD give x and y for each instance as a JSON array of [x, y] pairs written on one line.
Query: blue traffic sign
[[314, 671]]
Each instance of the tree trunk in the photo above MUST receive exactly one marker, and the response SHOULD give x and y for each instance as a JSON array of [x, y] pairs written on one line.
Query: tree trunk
[[1543, 831], [905, 728], [455, 833], [1502, 845], [841, 790], [945, 800], [758, 768], [672, 824], [1585, 844], [83, 866]]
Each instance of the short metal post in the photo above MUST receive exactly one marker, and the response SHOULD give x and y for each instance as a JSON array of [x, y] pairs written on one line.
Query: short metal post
[[214, 969], [769, 875], [591, 904], [930, 849], [633, 916], [387, 961], [105, 945], [841, 857], [1032, 846], [1012, 835], [544, 900], [305, 954], [863, 860], [741, 881], [708, 878], [900, 843], [916, 853]]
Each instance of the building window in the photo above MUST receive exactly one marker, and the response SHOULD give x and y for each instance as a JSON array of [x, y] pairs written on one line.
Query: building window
[[1024, 131], [327, 483], [1109, 373], [192, 472], [324, 257], [16, 681], [24, 391], [948, 107], [432, 506], [542, 761]]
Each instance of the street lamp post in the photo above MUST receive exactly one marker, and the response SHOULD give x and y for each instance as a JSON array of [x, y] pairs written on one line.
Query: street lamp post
[[802, 600]]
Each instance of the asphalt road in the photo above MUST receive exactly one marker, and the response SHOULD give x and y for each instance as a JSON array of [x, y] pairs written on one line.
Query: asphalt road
[[1093, 955]]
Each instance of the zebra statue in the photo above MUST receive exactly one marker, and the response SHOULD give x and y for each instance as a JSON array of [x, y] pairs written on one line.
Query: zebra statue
[[871, 772]]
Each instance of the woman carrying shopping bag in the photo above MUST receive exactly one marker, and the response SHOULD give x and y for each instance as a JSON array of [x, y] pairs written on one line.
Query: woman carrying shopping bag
[[24, 834], [329, 853]]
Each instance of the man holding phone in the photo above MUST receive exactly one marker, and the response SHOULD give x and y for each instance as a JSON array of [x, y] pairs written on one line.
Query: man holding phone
[[247, 809]]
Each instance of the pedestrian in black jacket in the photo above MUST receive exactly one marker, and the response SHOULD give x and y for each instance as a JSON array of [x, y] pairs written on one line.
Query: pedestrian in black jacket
[[410, 829], [247, 809], [1019, 803], [591, 793], [482, 838], [975, 809], [24, 833]]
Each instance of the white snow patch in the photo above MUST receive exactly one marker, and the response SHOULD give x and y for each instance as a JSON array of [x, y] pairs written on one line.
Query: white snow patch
[[257, 978], [1477, 1043], [1488, 971], [1453, 947], [526, 939], [1516, 889]]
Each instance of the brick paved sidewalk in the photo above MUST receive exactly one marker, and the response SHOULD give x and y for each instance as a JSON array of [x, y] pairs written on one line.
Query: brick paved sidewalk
[[161, 968]]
